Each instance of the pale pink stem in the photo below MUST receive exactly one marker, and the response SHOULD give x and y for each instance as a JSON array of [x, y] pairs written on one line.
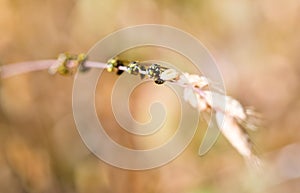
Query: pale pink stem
[[10, 70], [92, 64], [7, 71]]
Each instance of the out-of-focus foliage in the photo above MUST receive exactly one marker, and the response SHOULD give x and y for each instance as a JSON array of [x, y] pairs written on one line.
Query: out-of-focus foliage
[[256, 45]]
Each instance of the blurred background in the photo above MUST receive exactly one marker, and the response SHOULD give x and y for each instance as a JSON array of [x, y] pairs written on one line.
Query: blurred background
[[256, 46]]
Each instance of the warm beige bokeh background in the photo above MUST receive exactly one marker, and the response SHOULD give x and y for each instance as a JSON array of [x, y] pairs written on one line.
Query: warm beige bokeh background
[[256, 45]]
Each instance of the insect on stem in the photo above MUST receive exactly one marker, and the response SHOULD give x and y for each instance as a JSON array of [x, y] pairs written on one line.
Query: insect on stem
[[196, 91]]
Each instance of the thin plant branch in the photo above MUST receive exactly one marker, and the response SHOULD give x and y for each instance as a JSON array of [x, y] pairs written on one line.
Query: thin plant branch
[[232, 120]]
